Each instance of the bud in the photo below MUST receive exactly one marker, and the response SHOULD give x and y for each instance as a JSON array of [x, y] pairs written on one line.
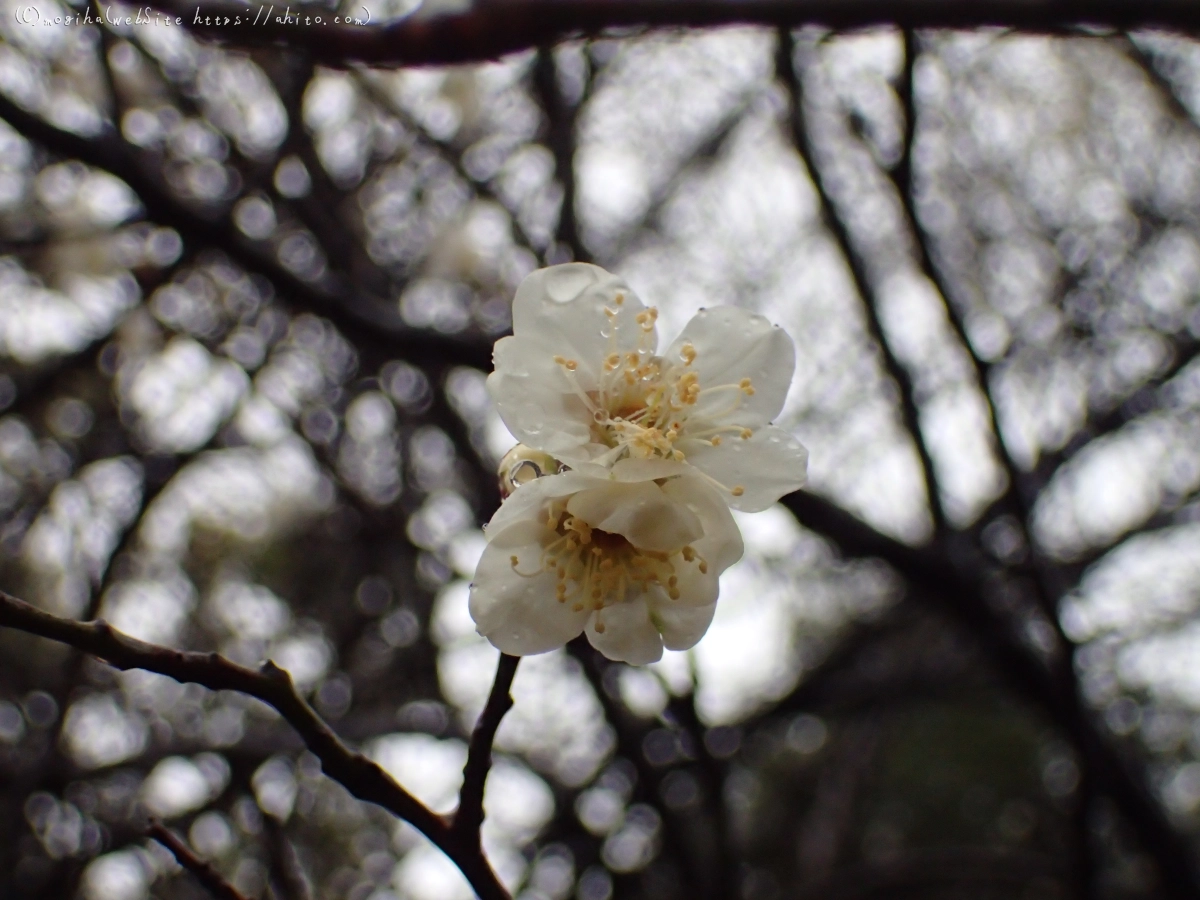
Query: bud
[[523, 464]]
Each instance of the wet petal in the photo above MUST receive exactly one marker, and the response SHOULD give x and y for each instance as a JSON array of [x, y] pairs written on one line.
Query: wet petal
[[640, 511], [519, 614], [563, 309], [732, 344], [721, 545], [535, 400], [647, 469], [527, 501], [629, 636], [769, 464], [682, 626]]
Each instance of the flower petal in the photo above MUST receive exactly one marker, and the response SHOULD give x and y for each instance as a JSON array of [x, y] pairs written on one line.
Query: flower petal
[[563, 309], [640, 511], [629, 636], [518, 614], [630, 469], [527, 501], [767, 465], [721, 546], [732, 344], [535, 400], [682, 626]]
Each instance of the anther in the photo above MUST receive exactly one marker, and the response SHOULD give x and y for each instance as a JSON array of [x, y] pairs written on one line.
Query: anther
[[746, 434], [737, 490], [747, 387], [688, 353]]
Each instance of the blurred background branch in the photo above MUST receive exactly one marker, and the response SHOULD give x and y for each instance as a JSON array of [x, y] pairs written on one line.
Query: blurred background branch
[[250, 277]]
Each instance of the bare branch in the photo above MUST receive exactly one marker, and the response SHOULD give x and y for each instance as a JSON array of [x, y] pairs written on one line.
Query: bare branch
[[961, 588], [287, 873], [359, 775], [205, 874], [370, 82], [357, 316], [792, 79], [699, 873], [469, 817], [491, 29], [560, 138]]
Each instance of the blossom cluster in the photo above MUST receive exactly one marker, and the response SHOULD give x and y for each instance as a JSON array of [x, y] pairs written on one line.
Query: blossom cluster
[[617, 521]]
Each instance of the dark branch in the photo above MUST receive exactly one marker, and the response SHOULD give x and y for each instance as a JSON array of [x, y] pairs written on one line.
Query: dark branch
[[469, 817], [493, 29], [369, 82], [358, 317], [560, 138], [359, 775], [205, 874], [962, 588], [786, 72], [287, 872]]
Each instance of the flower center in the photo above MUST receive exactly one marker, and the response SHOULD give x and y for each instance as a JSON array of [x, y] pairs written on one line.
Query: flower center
[[645, 404], [595, 568]]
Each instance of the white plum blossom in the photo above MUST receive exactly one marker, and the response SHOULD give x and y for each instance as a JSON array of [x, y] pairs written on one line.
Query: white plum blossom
[[581, 380], [617, 520], [634, 564]]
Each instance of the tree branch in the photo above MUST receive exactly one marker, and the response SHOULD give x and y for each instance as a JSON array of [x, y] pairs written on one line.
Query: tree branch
[[560, 138], [786, 72], [961, 588], [359, 775], [493, 28], [469, 818], [358, 317], [205, 874]]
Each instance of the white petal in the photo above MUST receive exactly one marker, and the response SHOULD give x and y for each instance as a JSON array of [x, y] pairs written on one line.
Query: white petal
[[682, 626], [527, 501], [518, 614], [766, 466], [732, 344], [641, 511], [562, 308], [721, 546], [696, 588], [535, 400], [629, 635], [647, 469]]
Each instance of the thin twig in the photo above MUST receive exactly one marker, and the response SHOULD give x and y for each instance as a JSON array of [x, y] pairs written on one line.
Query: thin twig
[[469, 818], [205, 874], [359, 775]]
